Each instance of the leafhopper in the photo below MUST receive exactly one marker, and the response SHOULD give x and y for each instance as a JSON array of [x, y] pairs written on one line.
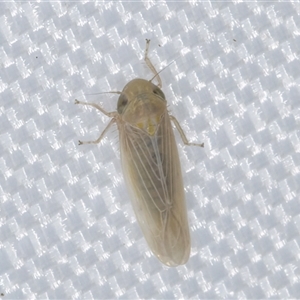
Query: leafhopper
[[151, 166]]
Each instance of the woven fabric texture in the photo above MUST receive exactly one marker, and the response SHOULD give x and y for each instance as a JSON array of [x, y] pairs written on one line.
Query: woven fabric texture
[[67, 228]]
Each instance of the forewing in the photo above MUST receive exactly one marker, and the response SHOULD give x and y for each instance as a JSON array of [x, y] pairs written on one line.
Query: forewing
[[152, 172]]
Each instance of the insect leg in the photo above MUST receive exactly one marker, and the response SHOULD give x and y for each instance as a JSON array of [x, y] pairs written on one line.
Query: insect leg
[[112, 121], [109, 114], [150, 65], [182, 134]]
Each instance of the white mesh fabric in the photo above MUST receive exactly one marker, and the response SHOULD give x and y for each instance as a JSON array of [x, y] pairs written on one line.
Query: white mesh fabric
[[67, 229]]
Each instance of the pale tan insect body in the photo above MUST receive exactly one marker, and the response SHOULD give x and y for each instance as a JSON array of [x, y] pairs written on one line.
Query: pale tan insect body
[[151, 166]]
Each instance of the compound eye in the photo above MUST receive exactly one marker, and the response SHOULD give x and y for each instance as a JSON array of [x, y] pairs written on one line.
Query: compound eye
[[157, 91], [122, 102]]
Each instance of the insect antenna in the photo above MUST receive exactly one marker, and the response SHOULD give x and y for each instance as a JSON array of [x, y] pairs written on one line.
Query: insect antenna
[[111, 92], [161, 71]]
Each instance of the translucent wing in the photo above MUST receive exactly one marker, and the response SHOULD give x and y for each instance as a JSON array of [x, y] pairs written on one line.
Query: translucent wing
[[153, 175]]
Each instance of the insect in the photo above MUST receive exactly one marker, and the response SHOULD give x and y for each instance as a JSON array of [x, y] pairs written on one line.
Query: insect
[[151, 166]]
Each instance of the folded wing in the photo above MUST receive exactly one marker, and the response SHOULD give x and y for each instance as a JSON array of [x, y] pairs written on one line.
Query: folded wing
[[152, 172]]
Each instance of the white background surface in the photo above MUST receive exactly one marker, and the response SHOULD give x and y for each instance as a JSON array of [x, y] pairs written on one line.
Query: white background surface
[[67, 229]]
